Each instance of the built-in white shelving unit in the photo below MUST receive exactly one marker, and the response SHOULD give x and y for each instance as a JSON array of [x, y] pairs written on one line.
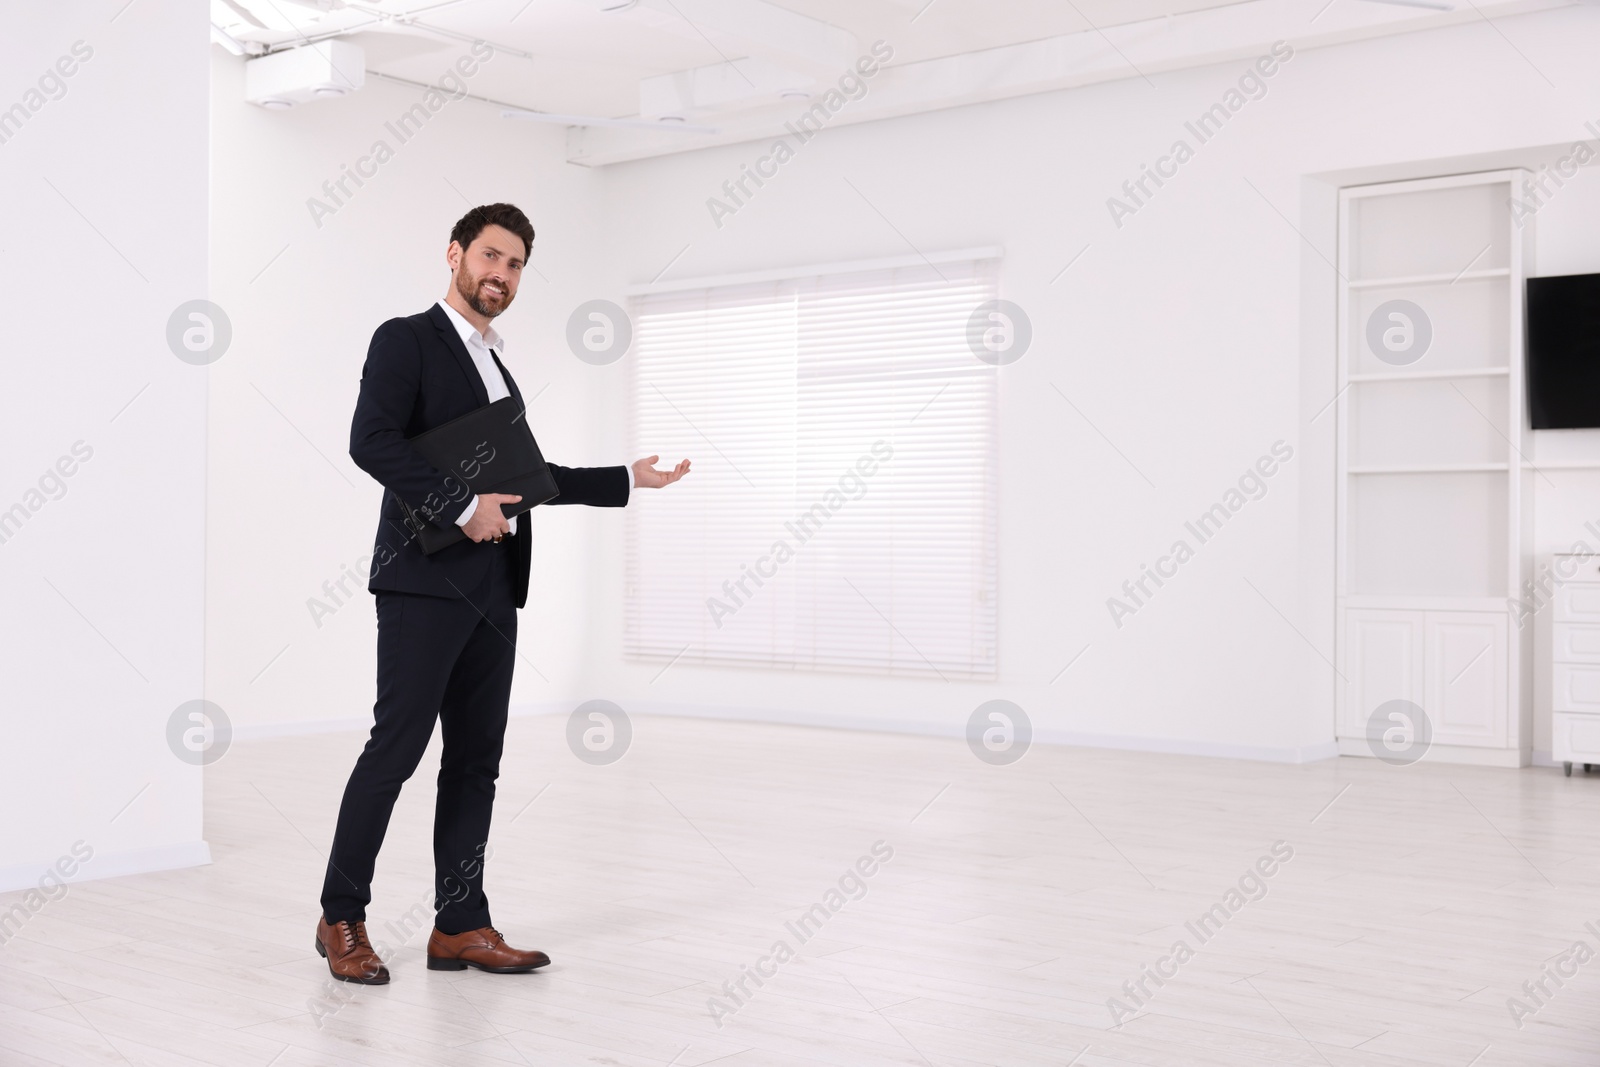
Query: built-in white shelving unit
[[1433, 502]]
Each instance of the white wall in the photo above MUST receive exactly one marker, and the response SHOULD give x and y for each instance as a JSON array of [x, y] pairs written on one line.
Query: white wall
[[102, 583], [1194, 336]]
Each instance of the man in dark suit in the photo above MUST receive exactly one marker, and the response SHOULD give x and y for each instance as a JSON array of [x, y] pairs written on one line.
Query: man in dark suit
[[447, 623]]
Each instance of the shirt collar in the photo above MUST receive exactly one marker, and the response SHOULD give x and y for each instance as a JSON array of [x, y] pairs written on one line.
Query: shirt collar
[[469, 333]]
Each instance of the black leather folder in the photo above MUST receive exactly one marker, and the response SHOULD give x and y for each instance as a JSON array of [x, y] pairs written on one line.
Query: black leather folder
[[490, 450]]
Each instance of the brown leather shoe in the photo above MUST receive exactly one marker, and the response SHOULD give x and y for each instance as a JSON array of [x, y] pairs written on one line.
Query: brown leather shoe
[[484, 949], [350, 955]]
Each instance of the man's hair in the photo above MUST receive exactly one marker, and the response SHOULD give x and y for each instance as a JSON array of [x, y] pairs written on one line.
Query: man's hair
[[507, 215]]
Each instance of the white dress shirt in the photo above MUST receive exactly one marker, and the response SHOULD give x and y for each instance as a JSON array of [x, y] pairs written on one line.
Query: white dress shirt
[[478, 347]]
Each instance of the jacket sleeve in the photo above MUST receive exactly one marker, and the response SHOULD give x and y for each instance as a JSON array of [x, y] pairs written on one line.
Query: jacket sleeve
[[390, 380], [599, 487]]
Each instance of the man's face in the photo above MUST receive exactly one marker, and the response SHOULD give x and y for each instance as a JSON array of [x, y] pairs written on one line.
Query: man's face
[[487, 273]]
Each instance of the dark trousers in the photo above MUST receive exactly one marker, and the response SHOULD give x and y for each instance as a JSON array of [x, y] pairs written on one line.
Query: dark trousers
[[443, 659]]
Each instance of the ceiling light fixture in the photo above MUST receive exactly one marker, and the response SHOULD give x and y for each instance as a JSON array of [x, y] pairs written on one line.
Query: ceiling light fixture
[[300, 75]]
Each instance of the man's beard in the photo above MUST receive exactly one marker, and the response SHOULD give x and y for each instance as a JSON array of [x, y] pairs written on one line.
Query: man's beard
[[471, 290]]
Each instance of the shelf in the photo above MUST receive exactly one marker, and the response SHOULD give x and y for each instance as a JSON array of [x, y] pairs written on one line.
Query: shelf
[[1562, 465], [1433, 468], [1431, 279], [1431, 375]]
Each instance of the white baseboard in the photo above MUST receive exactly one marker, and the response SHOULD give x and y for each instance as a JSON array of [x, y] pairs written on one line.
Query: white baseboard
[[111, 865], [789, 717], [1168, 746], [1463, 755], [1187, 747], [303, 727]]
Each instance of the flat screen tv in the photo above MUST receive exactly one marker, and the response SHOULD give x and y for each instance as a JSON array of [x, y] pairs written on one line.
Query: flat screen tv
[[1564, 351]]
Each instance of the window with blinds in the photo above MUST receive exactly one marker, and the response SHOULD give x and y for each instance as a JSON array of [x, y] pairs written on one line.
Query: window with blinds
[[841, 511]]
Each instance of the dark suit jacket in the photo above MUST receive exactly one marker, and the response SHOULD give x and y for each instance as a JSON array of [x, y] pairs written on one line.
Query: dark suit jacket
[[417, 375]]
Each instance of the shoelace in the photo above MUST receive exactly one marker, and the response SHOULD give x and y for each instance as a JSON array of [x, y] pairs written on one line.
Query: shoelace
[[353, 936]]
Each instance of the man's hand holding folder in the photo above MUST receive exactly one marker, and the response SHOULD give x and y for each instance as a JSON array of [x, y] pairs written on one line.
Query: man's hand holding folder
[[498, 461], [487, 523]]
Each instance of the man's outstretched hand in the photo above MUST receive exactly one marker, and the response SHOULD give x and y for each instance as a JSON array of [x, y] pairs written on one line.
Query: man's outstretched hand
[[646, 476]]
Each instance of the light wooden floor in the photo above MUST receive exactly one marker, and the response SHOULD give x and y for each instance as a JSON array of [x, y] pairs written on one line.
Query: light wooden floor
[[1018, 900]]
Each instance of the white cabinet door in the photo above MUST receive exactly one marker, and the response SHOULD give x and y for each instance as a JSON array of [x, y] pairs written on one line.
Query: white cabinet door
[[1465, 696], [1575, 687], [1578, 602], [1382, 662], [1575, 642]]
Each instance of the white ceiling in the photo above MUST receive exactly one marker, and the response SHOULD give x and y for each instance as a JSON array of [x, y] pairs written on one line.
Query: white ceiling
[[739, 65]]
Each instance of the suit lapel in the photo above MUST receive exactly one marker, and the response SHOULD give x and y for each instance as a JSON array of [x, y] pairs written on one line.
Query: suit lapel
[[452, 340]]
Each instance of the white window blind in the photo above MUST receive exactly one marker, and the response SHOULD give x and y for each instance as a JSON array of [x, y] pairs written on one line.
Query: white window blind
[[841, 511]]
